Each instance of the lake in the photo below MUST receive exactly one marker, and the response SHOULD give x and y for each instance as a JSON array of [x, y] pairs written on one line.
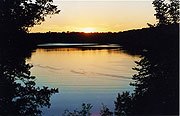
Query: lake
[[87, 73]]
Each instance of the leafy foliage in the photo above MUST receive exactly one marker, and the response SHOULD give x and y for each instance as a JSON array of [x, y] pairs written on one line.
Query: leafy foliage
[[105, 111], [19, 94], [161, 9], [156, 72], [22, 14], [166, 13], [157, 79], [174, 11], [156, 85], [123, 104], [85, 111]]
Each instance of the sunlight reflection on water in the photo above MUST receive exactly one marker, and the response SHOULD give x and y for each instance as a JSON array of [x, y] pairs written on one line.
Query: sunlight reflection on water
[[93, 76]]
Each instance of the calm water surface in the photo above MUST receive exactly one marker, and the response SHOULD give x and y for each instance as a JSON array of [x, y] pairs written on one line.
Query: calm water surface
[[83, 75]]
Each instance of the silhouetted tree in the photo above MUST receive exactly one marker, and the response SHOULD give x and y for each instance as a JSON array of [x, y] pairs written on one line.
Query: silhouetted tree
[[157, 81], [161, 9], [105, 111], [21, 14], [123, 104], [174, 11], [19, 94], [84, 111], [156, 86], [166, 13]]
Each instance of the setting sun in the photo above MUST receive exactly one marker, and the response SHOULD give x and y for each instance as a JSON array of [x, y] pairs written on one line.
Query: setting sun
[[98, 16], [88, 30]]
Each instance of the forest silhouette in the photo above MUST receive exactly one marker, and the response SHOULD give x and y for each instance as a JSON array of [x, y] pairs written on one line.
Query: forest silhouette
[[156, 82]]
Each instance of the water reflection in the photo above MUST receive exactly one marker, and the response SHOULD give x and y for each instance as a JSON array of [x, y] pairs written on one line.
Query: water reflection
[[19, 94], [78, 63], [91, 75]]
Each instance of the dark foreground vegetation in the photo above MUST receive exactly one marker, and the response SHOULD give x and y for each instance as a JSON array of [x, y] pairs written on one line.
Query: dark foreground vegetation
[[156, 82], [157, 79], [19, 94]]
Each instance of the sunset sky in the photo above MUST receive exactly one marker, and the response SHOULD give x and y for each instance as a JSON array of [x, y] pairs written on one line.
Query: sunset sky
[[98, 16]]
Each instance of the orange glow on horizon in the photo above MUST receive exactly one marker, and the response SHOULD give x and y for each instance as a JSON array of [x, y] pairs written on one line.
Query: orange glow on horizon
[[98, 16], [88, 30]]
